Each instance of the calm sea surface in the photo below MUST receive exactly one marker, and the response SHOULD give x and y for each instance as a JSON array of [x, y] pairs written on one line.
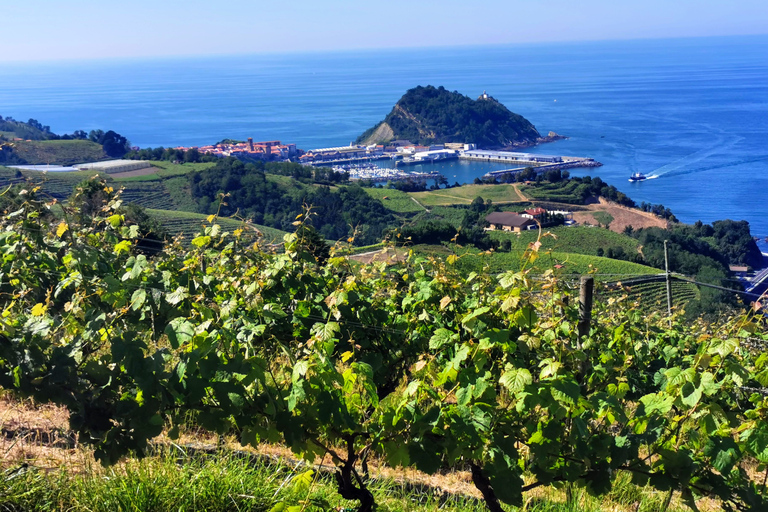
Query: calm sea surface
[[692, 111]]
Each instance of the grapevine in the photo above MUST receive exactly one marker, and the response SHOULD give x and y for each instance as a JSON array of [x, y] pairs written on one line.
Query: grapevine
[[415, 363]]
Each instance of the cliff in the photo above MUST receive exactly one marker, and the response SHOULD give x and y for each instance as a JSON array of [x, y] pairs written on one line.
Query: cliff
[[430, 115]]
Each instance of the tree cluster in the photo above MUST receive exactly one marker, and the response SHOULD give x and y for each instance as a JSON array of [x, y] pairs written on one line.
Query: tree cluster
[[115, 145], [429, 115], [171, 155], [233, 187], [659, 210]]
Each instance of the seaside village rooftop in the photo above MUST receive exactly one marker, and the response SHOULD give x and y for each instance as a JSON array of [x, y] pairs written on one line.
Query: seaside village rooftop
[[269, 150]]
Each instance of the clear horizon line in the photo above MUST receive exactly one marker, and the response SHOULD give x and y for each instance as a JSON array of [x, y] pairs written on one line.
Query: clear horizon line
[[160, 57]]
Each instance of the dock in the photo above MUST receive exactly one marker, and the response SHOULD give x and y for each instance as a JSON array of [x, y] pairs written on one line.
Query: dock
[[539, 163]]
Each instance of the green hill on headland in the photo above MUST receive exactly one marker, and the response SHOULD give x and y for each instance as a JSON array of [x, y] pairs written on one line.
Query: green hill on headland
[[428, 115], [33, 143]]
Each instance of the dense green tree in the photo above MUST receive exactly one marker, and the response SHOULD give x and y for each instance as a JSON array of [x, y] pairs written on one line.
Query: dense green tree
[[115, 145]]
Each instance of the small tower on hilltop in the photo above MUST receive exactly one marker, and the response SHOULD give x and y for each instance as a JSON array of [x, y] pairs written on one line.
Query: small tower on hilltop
[[487, 97]]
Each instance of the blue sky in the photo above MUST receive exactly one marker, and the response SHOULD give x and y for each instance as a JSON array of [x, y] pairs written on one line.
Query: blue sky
[[79, 29]]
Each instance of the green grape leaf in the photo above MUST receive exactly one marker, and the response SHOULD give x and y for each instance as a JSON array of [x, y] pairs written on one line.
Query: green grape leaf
[[138, 298], [515, 379], [179, 331], [441, 337]]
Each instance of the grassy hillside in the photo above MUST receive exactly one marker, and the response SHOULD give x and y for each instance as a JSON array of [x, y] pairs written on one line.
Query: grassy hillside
[[61, 152]]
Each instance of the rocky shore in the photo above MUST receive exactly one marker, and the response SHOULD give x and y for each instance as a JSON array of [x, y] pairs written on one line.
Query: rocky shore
[[550, 137]]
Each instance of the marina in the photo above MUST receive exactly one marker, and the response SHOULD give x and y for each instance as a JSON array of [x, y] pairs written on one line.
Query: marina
[[376, 174]]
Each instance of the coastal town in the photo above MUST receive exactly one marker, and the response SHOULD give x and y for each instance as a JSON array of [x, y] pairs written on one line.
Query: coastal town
[[357, 160]]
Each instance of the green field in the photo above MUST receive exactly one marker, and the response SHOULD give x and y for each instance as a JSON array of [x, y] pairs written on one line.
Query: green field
[[188, 225], [394, 200], [465, 194], [60, 152], [574, 239]]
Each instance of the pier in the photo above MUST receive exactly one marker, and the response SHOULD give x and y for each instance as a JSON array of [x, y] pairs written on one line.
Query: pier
[[539, 163], [570, 164]]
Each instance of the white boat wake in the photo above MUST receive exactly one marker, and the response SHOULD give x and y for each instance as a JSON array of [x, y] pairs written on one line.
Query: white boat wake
[[681, 164]]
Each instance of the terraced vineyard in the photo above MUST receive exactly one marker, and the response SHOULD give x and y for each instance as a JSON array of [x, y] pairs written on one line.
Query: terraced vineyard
[[565, 264], [561, 192], [58, 185], [578, 239], [164, 169], [653, 295], [188, 225], [149, 199]]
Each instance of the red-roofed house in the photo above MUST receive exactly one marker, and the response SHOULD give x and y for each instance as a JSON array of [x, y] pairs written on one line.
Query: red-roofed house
[[535, 213]]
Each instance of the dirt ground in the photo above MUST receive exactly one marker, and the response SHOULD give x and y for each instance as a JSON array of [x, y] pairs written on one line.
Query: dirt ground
[[388, 255], [622, 217]]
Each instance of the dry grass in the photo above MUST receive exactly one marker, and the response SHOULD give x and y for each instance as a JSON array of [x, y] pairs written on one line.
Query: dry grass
[[37, 435]]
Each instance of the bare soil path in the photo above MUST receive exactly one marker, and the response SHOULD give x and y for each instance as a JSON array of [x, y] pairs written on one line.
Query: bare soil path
[[622, 216]]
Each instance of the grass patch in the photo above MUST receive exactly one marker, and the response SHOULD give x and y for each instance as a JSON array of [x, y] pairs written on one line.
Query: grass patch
[[171, 481], [61, 152], [394, 200], [503, 193]]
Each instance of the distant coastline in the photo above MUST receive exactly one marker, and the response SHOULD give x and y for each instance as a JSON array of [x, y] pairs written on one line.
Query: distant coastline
[[645, 111]]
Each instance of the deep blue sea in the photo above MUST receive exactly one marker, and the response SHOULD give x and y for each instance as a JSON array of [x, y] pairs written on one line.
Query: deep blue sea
[[693, 111]]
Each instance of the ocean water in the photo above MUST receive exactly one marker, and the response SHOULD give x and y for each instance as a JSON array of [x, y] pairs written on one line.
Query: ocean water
[[694, 112]]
